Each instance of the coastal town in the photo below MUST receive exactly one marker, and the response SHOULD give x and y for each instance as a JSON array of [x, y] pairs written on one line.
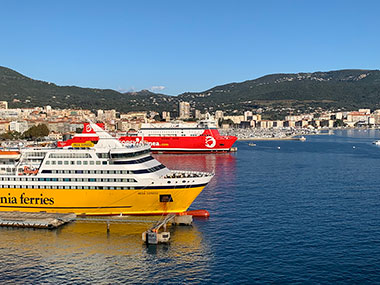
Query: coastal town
[[247, 124]]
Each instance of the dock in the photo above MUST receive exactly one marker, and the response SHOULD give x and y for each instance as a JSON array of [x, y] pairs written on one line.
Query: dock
[[154, 235], [38, 220]]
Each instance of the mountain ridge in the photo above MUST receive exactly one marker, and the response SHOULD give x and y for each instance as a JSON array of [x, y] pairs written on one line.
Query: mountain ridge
[[348, 88]]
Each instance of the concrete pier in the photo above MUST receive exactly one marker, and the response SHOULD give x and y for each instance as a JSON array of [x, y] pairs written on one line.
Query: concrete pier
[[35, 220]]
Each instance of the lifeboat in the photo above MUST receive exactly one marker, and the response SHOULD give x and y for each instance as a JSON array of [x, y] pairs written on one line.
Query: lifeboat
[[29, 171], [9, 154]]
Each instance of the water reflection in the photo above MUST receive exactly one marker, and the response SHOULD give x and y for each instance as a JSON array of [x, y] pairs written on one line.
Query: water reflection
[[223, 165], [221, 189], [84, 251]]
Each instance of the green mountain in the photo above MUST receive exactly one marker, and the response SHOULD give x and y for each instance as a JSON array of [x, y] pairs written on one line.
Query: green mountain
[[349, 89], [21, 91]]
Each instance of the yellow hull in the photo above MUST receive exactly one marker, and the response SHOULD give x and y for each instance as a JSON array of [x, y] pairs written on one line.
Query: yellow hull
[[97, 202]]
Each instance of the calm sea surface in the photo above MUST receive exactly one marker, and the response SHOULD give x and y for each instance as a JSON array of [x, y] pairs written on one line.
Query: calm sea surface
[[307, 212]]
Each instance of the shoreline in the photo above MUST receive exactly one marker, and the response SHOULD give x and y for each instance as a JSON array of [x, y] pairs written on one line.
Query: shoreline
[[291, 138], [276, 134], [269, 139]]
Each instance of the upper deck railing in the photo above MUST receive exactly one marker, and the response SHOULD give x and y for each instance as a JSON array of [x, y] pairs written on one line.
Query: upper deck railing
[[187, 174]]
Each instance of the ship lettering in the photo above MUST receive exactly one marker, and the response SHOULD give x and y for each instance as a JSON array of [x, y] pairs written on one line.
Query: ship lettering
[[36, 201], [8, 200]]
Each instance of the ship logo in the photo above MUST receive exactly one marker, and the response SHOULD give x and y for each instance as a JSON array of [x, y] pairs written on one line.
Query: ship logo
[[88, 128], [210, 142]]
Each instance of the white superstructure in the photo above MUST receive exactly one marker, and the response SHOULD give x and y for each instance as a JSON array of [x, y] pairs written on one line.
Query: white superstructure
[[107, 166]]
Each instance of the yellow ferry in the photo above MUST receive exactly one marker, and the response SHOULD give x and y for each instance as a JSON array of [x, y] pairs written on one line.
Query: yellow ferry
[[102, 179]]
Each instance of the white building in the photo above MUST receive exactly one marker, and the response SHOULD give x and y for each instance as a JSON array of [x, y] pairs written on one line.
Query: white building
[[365, 111], [3, 105], [184, 110], [247, 115], [218, 114], [166, 116], [48, 109], [100, 115], [110, 115], [18, 126], [198, 114]]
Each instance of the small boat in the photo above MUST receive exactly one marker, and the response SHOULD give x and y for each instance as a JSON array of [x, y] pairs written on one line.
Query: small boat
[[302, 139], [252, 144], [4, 154], [376, 142]]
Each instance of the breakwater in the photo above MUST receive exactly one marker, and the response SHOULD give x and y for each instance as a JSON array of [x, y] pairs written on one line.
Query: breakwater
[[269, 134]]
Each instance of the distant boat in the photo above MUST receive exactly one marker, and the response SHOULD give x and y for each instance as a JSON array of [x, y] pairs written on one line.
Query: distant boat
[[252, 144], [302, 139], [376, 142]]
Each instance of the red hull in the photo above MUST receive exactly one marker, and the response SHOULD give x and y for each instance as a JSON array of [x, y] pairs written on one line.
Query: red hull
[[209, 141], [197, 144]]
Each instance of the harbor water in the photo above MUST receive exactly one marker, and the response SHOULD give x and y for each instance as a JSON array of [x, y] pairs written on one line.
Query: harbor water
[[281, 211]]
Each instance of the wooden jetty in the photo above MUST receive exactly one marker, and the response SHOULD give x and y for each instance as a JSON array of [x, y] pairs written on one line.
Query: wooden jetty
[[39, 220]]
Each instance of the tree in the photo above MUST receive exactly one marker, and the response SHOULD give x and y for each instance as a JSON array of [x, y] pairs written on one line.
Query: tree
[[157, 118], [339, 123], [11, 135], [35, 132]]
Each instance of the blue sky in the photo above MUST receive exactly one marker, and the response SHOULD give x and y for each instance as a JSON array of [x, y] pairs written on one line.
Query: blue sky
[[179, 46]]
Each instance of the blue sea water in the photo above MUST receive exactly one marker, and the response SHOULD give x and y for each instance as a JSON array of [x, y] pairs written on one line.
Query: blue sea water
[[307, 212]]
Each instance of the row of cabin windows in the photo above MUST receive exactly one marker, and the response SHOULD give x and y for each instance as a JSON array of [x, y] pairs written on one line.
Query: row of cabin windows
[[69, 155], [73, 162], [68, 187], [140, 171], [34, 154], [87, 155], [91, 162], [32, 160], [149, 170], [123, 155], [141, 160], [8, 161], [88, 171], [69, 179]]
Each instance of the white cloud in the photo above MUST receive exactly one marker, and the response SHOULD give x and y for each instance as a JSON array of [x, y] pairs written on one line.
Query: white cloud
[[157, 88], [125, 90]]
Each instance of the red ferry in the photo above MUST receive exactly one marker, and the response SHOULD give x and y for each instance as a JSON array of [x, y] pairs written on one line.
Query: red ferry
[[176, 137]]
